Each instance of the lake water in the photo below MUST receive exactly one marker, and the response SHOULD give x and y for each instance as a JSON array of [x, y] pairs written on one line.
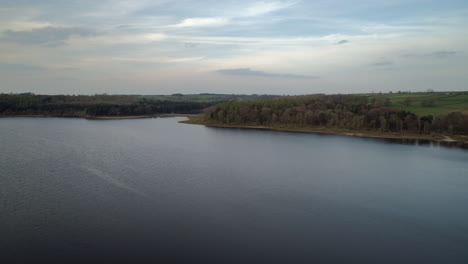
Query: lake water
[[149, 190]]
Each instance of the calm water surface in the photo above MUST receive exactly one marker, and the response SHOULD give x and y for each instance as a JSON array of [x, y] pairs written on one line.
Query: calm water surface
[[156, 191]]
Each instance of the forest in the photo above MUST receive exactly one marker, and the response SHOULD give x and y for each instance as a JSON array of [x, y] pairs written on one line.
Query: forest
[[350, 112], [365, 112], [94, 105]]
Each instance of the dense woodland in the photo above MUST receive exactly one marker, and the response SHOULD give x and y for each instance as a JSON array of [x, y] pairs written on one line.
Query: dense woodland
[[93, 106], [353, 112]]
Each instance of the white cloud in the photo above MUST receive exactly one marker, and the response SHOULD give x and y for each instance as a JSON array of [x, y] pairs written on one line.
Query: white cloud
[[25, 25], [257, 9], [109, 40], [270, 41], [202, 22], [387, 28], [49, 36], [22, 19], [113, 8], [158, 59], [261, 8]]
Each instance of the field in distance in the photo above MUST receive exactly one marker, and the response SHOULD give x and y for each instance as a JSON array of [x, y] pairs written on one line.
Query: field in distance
[[429, 103]]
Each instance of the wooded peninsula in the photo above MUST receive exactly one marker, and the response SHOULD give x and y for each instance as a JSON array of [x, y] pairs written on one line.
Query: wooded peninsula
[[444, 118]]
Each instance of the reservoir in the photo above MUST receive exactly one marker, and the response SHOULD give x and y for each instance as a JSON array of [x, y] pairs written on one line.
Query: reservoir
[[154, 190]]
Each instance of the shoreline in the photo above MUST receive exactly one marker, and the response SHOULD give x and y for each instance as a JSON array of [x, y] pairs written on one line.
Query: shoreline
[[138, 117], [439, 139], [102, 117]]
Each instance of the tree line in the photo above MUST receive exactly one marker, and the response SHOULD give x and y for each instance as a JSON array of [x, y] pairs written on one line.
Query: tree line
[[353, 112], [92, 106]]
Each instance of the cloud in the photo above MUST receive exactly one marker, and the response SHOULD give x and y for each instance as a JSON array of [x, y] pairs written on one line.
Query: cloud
[[263, 7], [191, 44], [435, 54], [20, 67], [382, 63], [249, 72], [48, 36], [257, 9], [65, 79], [23, 25], [442, 53], [147, 59], [112, 40], [118, 8], [202, 22], [138, 41], [70, 69]]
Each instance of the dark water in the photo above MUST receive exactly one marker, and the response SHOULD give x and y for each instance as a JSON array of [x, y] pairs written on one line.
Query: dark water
[[155, 191]]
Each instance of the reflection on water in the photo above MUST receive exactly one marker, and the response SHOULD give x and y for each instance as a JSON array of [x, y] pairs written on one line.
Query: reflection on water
[[404, 141], [430, 143]]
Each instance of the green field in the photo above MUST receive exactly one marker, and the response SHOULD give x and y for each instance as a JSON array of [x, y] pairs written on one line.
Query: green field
[[443, 102]]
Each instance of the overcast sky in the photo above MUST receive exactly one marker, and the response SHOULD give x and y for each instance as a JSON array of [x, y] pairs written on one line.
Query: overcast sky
[[273, 47]]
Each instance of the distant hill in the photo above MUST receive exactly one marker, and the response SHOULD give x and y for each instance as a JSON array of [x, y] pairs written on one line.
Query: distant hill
[[206, 97], [111, 105]]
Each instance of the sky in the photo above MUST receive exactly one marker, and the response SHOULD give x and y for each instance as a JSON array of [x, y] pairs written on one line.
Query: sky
[[235, 47]]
